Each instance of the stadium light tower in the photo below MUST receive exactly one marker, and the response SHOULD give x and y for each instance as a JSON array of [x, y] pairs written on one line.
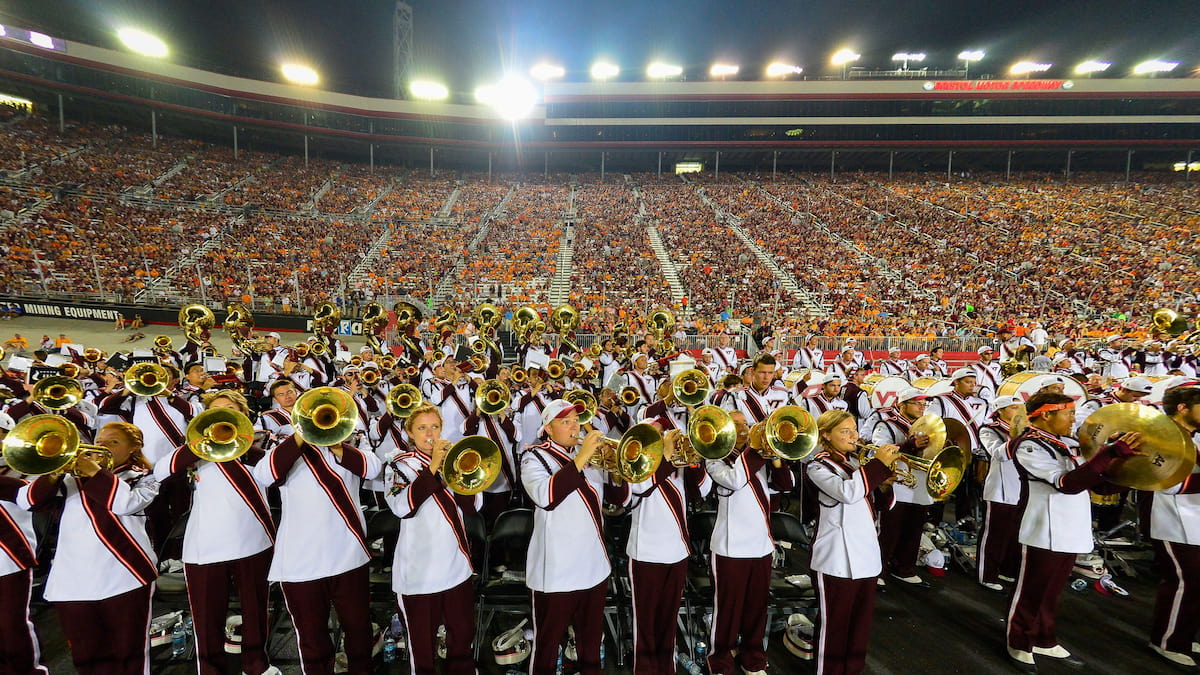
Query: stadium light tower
[[661, 71], [723, 70], [1089, 67], [603, 70], [402, 47], [1154, 67], [547, 71], [1027, 67], [843, 58], [905, 57], [143, 43], [967, 56], [297, 73], [428, 91], [780, 69]]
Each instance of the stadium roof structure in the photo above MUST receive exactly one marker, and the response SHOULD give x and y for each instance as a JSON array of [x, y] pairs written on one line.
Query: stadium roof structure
[[738, 123]]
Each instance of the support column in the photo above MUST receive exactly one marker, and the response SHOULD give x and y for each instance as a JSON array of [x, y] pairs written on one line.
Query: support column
[[832, 160], [62, 121], [431, 161], [717, 168], [235, 145], [1008, 168], [1069, 153], [306, 150], [602, 154], [774, 163], [1128, 164], [371, 149], [891, 163], [154, 128], [660, 164], [546, 164], [949, 166]]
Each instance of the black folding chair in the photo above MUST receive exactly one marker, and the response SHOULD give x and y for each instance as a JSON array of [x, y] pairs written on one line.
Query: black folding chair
[[508, 545]]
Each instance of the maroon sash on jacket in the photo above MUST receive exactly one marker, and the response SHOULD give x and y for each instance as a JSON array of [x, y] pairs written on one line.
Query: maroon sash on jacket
[[97, 494]]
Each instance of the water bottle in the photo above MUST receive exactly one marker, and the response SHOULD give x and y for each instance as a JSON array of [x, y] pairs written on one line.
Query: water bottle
[[602, 653], [701, 652], [558, 668], [1079, 585], [178, 641], [396, 627], [389, 651], [687, 664], [187, 626]]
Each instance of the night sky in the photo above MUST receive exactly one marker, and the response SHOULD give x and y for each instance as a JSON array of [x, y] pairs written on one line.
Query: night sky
[[465, 43]]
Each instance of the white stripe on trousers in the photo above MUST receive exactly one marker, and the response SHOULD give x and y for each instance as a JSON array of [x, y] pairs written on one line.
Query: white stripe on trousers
[[298, 637], [1178, 600], [824, 617], [983, 538], [633, 592], [37, 647], [1012, 608], [712, 628], [146, 632]]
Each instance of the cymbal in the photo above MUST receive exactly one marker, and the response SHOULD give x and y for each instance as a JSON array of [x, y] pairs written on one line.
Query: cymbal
[[956, 433], [934, 427], [1169, 454]]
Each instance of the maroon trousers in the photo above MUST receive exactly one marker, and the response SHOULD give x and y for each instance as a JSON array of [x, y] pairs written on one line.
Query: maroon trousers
[[1034, 606], [308, 603], [208, 596], [1177, 604], [999, 550], [20, 653], [742, 587], [900, 530], [657, 593], [454, 608], [553, 612], [844, 624], [110, 635]]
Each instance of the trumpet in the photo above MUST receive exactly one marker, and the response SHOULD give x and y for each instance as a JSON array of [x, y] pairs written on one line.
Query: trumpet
[[402, 400], [438, 355], [70, 370], [90, 355], [945, 470], [595, 350], [220, 434], [162, 343], [478, 364], [49, 444], [356, 361], [146, 379], [789, 433], [411, 371]]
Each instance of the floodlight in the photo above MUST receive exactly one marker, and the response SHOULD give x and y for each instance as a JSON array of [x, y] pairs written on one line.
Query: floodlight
[[663, 70], [1026, 67], [142, 42], [2, 31], [971, 55], [1155, 66], [844, 56], [723, 69], [299, 74], [430, 91], [41, 40], [778, 69], [547, 71], [513, 98], [1089, 67], [907, 56], [604, 71]]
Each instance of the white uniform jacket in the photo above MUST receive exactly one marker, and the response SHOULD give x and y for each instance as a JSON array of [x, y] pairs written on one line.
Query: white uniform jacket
[[457, 402], [229, 519], [845, 544], [18, 539], [277, 422], [971, 411], [658, 532], [892, 368], [433, 553], [501, 429], [757, 407], [566, 552], [1003, 483], [743, 528], [321, 530], [987, 376], [163, 420], [1175, 512], [892, 428], [103, 548], [809, 357], [1054, 520], [818, 404]]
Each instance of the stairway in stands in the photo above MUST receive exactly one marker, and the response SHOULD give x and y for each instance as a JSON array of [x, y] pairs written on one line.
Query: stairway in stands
[[560, 283], [166, 286], [669, 270], [808, 302], [497, 212]]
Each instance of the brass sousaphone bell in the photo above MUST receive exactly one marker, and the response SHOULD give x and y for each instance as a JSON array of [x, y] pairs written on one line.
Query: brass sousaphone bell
[[472, 465], [691, 387], [790, 433], [492, 397], [220, 434], [48, 444], [711, 434], [57, 392], [402, 400], [146, 379], [1167, 454], [325, 416]]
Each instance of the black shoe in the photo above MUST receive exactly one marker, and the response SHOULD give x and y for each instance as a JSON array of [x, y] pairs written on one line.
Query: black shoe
[[1060, 655]]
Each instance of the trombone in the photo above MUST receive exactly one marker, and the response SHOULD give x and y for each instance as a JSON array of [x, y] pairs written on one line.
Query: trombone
[[220, 435], [945, 469], [49, 444], [790, 433]]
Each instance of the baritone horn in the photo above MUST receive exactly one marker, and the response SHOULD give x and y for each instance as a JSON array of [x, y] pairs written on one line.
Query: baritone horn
[[789, 433], [402, 400], [518, 375], [472, 465], [945, 470], [146, 379], [492, 397], [556, 369], [57, 392], [325, 416], [691, 387], [630, 396], [220, 434], [711, 434], [49, 444]]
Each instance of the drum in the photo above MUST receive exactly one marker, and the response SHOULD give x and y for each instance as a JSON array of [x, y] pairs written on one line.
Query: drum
[[883, 393], [1027, 383]]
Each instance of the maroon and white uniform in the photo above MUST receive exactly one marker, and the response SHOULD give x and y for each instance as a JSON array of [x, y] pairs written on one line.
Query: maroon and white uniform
[[456, 402], [970, 410], [1175, 531], [999, 551], [758, 406], [20, 650], [162, 419], [987, 376], [892, 367], [818, 404]]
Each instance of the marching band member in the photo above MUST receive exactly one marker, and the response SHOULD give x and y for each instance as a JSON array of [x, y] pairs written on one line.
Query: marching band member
[[1153, 360], [658, 549], [845, 362], [829, 398], [431, 571], [1111, 358], [277, 422], [20, 651], [86, 424], [229, 537], [858, 403], [321, 551], [456, 399], [611, 419], [961, 403], [264, 366], [758, 400], [724, 355], [161, 418], [893, 365], [1130, 390], [987, 373], [845, 553], [1056, 525], [568, 567], [1012, 347], [433, 380], [609, 366], [533, 402], [900, 526], [723, 394], [102, 576], [639, 378], [809, 356], [937, 363], [1175, 532], [919, 367], [501, 428], [742, 547], [999, 552], [196, 382]]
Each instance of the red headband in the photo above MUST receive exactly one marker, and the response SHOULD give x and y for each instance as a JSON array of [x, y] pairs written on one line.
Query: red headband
[[1050, 407]]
